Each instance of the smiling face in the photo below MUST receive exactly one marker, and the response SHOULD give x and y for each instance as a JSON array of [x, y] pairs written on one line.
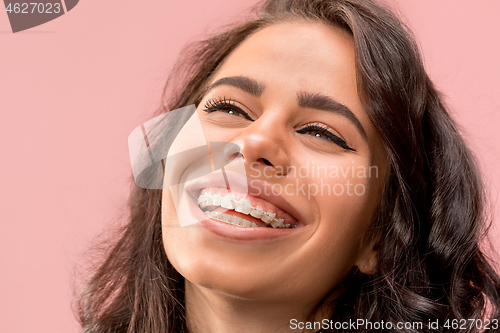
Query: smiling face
[[287, 96]]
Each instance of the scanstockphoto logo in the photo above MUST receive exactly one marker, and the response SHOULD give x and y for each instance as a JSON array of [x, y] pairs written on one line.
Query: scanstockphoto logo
[[26, 15], [172, 149]]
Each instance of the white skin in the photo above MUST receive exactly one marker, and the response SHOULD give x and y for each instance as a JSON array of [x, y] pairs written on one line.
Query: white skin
[[261, 285]]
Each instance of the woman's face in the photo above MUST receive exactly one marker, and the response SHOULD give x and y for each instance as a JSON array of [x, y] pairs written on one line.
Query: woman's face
[[287, 96]]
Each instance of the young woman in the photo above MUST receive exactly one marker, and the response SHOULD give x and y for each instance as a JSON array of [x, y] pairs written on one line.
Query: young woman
[[374, 203]]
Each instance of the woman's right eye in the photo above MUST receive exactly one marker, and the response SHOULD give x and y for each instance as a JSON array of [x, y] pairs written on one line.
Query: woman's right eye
[[226, 106]]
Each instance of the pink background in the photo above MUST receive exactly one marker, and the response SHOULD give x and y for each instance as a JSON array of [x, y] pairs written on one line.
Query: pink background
[[72, 90]]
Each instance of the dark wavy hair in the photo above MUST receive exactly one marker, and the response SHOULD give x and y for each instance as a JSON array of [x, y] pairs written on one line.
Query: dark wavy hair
[[431, 215]]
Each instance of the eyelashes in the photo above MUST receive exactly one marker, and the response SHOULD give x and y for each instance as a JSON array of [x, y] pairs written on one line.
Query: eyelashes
[[318, 130], [227, 106], [323, 131]]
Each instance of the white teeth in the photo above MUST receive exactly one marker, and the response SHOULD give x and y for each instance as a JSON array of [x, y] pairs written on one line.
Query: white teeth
[[237, 220], [202, 200], [227, 203], [246, 223], [246, 209], [239, 207], [266, 218], [230, 219], [277, 223], [257, 212], [243, 206], [216, 200]]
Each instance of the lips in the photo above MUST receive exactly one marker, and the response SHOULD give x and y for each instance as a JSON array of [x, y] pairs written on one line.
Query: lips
[[268, 208]]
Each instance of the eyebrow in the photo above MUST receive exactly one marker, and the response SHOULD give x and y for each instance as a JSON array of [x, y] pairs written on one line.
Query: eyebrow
[[305, 99], [244, 83], [325, 103]]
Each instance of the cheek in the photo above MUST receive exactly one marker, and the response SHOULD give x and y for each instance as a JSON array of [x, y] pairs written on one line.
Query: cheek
[[168, 212], [184, 246], [345, 186], [172, 237], [346, 198]]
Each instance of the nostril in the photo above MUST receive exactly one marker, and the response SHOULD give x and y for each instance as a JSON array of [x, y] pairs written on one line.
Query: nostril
[[266, 162], [235, 156], [232, 151]]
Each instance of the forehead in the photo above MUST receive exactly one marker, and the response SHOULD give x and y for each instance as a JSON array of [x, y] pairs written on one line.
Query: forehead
[[300, 55]]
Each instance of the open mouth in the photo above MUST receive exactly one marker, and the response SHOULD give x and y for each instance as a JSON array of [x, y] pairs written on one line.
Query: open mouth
[[243, 210]]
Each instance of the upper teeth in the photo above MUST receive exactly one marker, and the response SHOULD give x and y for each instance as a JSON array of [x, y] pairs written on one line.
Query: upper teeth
[[243, 206]]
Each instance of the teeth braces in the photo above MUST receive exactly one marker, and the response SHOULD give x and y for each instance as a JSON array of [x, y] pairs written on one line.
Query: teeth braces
[[244, 206]]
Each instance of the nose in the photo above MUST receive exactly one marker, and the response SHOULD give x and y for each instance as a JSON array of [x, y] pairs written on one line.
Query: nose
[[263, 147]]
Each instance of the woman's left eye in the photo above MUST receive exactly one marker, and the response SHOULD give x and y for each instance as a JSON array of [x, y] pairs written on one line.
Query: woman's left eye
[[227, 106], [323, 132]]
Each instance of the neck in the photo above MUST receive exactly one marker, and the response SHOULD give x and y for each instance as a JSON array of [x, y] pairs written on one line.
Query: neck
[[209, 311]]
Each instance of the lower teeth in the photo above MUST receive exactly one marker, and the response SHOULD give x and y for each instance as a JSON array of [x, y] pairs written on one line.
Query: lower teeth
[[235, 220]]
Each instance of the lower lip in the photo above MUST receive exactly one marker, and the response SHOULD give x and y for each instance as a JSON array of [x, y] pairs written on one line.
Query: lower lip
[[236, 232]]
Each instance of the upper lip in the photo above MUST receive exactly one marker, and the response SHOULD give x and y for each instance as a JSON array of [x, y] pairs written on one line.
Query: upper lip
[[240, 183]]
